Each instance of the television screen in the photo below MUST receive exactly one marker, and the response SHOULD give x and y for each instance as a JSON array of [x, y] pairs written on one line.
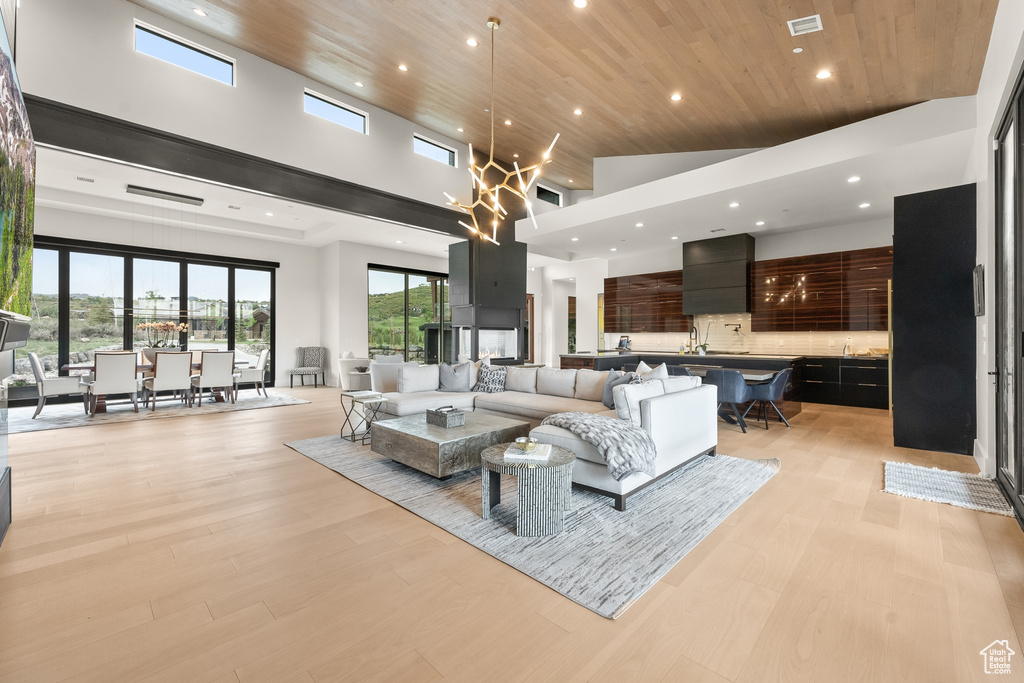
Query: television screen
[[17, 188]]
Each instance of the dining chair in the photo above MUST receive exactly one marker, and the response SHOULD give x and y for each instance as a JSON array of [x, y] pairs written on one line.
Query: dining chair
[[216, 371], [255, 375], [114, 374], [768, 393], [52, 386], [172, 371], [732, 389]]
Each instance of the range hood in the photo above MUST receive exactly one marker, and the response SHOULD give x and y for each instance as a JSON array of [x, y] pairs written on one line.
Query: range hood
[[716, 275], [14, 330]]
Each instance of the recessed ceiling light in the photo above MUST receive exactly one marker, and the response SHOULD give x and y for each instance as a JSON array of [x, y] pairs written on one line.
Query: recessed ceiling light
[[399, 242], [532, 269], [579, 3], [472, 42], [614, 249], [577, 111], [359, 84], [639, 225], [824, 74], [733, 205], [853, 179], [461, 130], [865, 205], [570, 180], [508, 122], [270, 213], [515, 156], [199, 11], [403, 67], [676, 97], [759, 223], [798, 50], [675, 237], [575, 239]]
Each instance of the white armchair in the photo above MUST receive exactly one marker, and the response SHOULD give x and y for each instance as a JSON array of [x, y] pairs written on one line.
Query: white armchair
[[255, 375], [52, 386]]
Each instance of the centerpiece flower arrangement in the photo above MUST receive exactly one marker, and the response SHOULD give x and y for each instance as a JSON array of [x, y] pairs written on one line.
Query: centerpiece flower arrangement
[[160, 335]]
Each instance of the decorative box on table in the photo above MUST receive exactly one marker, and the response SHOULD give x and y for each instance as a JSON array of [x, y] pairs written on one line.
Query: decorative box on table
[[447, 417]]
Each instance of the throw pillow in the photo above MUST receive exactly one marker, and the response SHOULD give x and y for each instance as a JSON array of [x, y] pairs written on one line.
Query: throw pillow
[[491, 379], [614, 379], [454, 378], [642, 368]]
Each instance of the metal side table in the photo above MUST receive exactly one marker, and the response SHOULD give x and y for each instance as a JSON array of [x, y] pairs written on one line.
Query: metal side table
[[544, 488], [364, 408]]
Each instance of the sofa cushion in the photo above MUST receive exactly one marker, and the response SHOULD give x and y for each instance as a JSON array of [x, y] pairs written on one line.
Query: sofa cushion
[[400, 405], [521, 379], [554, 382], [384, 376], [535, 406], [590, 385], [628, 397], [491, 379], [417, 378], [615, 378], [454, 377], [680, 383]]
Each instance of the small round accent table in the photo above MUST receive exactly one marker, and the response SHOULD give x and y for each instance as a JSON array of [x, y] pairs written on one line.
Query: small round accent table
[[544, 488]]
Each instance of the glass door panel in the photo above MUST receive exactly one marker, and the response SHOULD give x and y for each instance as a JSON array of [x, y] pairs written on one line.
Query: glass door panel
[[252, 313], [45, 305], [1006, 318], [96, 311], [386, 309], [207, 308], [156, 303]]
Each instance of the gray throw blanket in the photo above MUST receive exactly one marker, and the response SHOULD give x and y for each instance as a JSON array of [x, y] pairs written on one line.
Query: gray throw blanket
[[625, 447]]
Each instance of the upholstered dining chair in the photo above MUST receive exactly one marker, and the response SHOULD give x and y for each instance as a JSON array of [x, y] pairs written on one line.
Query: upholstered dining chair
[[255, 375], [216, 371], [115, 373], [49, 387], [310, 361], [172, 371], [732, 389], [767, 394]]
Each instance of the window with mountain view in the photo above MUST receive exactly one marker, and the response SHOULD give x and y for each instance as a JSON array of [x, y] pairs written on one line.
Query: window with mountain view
[[409, 314]]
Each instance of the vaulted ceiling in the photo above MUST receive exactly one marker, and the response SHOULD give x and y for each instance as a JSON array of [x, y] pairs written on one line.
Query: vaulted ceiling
[[619, 61]]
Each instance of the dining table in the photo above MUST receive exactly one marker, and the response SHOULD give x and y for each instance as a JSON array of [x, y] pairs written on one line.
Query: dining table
[[101, 400]]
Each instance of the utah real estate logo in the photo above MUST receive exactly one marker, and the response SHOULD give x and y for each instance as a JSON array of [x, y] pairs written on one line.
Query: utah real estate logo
[[997, 657]]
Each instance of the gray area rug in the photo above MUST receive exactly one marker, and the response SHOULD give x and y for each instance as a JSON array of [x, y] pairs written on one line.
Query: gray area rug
[[61, 415], [604, 560], [971, 491]]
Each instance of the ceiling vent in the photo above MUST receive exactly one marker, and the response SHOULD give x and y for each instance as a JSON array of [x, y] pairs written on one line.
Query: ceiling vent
[[799, 27], [161, 194]]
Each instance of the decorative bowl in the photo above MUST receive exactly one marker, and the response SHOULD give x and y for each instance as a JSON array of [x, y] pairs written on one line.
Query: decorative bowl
[[361, 368], [526, 443]]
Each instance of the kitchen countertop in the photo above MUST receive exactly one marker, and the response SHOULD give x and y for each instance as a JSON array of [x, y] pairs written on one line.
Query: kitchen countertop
[[669, 354]]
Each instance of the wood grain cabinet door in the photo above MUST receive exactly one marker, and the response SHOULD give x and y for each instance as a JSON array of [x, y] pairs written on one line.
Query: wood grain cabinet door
[[817, 292], [866, 273]]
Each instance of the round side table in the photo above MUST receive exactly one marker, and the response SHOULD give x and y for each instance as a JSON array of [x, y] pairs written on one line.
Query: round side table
[[543, 487]]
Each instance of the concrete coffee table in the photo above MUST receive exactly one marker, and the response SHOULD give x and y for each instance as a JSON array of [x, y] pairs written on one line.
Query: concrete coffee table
[[442, 452], [544, 488]]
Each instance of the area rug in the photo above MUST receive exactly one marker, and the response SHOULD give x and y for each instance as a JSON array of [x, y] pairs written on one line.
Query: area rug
[[970, 491], [61, 415], [604, 560]]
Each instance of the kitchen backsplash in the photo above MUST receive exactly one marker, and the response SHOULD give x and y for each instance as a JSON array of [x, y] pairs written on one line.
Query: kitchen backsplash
[[722, 337]]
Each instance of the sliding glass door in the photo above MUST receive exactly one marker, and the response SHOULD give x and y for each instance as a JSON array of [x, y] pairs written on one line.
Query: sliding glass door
[[408, 313]]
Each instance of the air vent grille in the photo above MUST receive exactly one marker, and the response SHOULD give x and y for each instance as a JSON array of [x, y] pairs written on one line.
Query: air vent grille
[[799, 27]]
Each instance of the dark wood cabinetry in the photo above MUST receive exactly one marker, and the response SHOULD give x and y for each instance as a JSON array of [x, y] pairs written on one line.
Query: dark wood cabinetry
[[822, 292], [650, 302]]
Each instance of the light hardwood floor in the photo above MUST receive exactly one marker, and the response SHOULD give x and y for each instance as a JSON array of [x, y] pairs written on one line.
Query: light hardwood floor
[[202, 549]]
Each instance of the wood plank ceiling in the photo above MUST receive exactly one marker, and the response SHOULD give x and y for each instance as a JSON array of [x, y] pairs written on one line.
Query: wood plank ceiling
[[619, 61]]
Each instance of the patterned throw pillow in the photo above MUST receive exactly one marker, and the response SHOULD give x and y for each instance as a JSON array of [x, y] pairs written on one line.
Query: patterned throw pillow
[[491, 379]]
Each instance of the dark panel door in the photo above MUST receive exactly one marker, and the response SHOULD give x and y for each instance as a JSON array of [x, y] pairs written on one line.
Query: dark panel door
[[933, 355]]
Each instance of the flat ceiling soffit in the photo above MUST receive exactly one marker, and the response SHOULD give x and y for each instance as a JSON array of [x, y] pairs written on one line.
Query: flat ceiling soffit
[[912, 150]]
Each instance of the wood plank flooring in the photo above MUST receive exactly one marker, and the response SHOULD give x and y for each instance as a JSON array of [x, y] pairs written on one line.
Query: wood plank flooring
[[202, 549]]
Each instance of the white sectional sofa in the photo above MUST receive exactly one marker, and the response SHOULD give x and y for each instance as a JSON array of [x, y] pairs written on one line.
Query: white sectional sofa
[[678, 413]]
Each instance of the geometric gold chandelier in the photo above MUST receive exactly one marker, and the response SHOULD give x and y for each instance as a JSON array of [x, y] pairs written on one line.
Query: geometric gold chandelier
[[516, 182]]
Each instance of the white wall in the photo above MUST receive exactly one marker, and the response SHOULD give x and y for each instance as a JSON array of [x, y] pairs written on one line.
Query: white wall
[[612, 174], [552, 307], [1002, 66], [344, 304], [82, 53], [823, 240], [297, 314]]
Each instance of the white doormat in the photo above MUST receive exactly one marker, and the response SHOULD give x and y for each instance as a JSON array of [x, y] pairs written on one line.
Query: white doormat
[[970, 491]]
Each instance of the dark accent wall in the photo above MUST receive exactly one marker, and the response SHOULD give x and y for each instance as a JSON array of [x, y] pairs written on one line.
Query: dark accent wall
[[933, 324], [716, 275], [487, 283], [67, 127]]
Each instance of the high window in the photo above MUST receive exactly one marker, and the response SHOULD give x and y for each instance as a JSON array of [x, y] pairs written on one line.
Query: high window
[[409, 314], [187, 55], [89, 297], [335, 112], [549, 196], [433, 150]]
